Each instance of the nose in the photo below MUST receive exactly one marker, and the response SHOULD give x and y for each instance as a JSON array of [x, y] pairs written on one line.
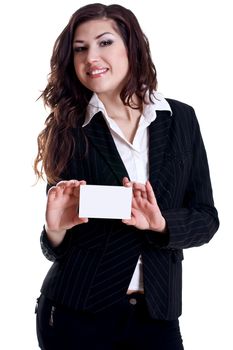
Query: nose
[[92, 55]]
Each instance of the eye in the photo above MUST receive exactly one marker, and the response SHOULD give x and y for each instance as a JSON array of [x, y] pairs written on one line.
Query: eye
[[106, 43], [79, 48]]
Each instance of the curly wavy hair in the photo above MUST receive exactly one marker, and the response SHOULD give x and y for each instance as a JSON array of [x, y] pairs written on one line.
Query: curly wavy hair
[[67, 98]]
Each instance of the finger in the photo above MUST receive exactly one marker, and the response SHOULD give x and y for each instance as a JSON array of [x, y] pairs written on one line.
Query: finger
[[139, 186], [126, 182], [68, 184], [52, 193], [83, 220], [129, 221], [140, 190], [137, 194], [82, 182], [78, 221], [136, 203], [62, 184], [144, 194], [77, 188], [67, 187], [150, 193], [76, 183], [126, 221]]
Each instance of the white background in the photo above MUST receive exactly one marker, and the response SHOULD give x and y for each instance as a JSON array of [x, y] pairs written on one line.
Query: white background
[[191, 44]]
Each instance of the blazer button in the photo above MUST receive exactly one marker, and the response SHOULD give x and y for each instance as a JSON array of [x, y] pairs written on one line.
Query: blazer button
[[133, 301]]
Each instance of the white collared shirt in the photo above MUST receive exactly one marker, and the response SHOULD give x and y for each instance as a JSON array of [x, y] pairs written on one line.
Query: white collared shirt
[[134, 155]]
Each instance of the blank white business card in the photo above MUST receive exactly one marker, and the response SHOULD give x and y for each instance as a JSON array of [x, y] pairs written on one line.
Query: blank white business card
[[107, 202]]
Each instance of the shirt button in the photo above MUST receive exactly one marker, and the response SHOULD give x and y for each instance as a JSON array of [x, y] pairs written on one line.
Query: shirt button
[[132, 301]]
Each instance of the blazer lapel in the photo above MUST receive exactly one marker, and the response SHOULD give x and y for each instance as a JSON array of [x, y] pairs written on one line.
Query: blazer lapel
[[98, 133], [158, 138]]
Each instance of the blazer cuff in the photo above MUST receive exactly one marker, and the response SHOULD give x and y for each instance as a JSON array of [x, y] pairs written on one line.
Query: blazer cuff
[[185, 228], [53, 253], [157, 239]]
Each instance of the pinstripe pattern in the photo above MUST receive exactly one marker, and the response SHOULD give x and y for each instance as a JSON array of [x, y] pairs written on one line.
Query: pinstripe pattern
[[99, 135], [94, 264]]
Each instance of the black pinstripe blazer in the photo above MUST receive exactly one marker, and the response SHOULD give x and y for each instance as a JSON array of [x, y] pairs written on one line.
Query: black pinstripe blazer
[[94, 264]]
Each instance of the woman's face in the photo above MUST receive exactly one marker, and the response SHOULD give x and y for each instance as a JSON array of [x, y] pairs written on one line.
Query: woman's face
[[100, 57]]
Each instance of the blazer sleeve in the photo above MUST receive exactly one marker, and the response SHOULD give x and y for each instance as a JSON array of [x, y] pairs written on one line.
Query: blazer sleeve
[[196, 222], [50, 252], [54, 253]]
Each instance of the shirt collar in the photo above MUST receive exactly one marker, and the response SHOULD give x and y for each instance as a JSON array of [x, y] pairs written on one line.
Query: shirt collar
[[159, 103]]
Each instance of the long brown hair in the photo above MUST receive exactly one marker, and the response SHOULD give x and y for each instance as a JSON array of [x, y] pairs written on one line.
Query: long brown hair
[[67, 98]]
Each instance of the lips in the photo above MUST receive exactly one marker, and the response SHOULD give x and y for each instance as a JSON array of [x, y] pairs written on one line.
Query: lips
[[96, 72]]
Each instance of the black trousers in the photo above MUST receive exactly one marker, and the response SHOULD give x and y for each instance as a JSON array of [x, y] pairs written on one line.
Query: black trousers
[[125, 326]]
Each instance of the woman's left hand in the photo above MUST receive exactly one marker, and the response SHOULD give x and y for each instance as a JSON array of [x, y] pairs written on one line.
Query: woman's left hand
[[145, 214]]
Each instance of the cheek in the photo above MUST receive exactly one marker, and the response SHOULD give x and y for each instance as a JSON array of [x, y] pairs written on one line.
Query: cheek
[[122, 59], [78, 69]]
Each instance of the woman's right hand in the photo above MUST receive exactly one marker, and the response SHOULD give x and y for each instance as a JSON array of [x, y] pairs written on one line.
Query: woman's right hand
[[62, 209]]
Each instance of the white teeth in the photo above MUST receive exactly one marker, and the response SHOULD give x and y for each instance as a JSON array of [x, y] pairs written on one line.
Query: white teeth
[[97, 71]]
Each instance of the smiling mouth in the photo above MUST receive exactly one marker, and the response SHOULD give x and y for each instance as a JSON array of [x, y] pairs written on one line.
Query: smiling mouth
[[97, 72]]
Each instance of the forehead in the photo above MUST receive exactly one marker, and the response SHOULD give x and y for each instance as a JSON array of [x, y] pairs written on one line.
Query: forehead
[[93, 28]]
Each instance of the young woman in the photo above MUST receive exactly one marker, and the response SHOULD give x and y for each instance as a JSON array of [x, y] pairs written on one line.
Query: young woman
[[116, 284]]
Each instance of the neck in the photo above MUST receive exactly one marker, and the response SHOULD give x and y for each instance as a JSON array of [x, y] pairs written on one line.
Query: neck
[[116, 108]]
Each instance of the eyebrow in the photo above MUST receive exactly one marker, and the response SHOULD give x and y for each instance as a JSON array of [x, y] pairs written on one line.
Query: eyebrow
[[97, 37]]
